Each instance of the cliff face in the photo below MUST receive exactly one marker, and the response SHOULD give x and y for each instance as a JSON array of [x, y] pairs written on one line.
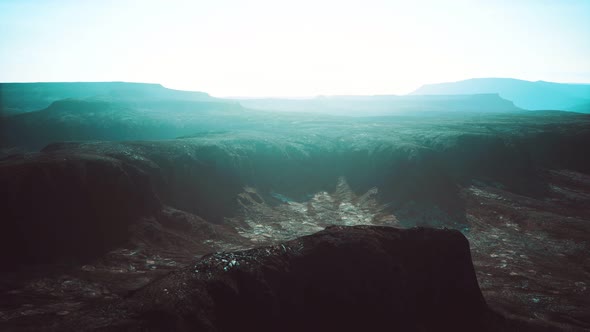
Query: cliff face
[[340, 279], [62, 206]]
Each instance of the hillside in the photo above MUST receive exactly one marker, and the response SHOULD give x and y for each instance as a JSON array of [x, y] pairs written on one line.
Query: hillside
[[538, 95], [95, 119]]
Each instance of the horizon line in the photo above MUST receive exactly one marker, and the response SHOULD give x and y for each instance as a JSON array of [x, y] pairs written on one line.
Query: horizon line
[[294, 97]]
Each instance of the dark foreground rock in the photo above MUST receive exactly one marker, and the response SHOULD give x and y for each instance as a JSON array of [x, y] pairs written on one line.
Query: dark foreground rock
[[64, 206], [363, 278]]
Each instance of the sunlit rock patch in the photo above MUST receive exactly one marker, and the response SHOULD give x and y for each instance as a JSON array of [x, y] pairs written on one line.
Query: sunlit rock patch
[[261, 221]]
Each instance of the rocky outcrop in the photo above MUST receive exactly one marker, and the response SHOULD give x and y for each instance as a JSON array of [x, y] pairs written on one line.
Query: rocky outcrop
[[361, 278], [61, 206]]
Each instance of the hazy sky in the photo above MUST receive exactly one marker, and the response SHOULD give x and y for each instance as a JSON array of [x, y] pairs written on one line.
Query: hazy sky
[[294, 48]]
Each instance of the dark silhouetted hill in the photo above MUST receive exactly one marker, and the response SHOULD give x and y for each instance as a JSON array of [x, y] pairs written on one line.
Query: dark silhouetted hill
[[65, 205]]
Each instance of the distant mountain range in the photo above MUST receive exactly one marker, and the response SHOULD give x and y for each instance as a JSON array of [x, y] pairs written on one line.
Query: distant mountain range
[[528, 95], [473, 95], [385, 105], [26, 97]]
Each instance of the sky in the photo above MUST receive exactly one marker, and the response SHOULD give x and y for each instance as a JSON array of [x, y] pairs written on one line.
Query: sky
[[260, 48]]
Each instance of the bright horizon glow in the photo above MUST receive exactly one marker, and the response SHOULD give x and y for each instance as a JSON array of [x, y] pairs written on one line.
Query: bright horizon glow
[[296, 48]]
